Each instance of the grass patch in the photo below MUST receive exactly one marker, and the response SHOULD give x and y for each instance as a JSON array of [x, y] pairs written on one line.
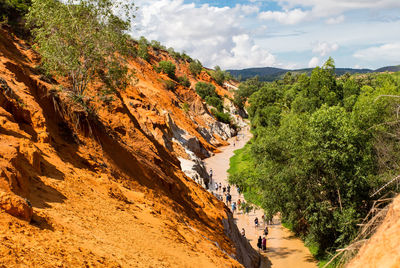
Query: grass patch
[[241, 160]]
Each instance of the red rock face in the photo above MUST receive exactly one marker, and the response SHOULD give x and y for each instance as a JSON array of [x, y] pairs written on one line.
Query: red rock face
[[16, 206], [383, 248], [105, 190]]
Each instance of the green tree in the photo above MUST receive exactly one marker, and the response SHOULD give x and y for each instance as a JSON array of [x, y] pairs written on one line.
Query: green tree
[[143, 45], [184, 81], [13, 10], [195, 67], [218, 75], [82, 40], [321, 144], [168, 68], [205, 89]]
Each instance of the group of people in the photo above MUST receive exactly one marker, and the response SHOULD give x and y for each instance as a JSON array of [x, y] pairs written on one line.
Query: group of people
[[262, 242], [225, 191]]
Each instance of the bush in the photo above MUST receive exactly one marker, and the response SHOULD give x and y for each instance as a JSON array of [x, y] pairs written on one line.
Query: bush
[[142, 49], [195, 67], [219, 76], [216, 102], [221, 116], [205, 89], [167, 67], [157, 45], [169, 85], [184, 81]]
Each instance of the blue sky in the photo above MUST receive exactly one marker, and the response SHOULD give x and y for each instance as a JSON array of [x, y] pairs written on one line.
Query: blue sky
[[278, 33]]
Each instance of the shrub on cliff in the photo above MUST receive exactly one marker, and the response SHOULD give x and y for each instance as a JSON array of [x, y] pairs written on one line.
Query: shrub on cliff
[[167, 67], [195, 67], [143, 52], [184, 81], [221, 116], [205, 89], [79, 40]]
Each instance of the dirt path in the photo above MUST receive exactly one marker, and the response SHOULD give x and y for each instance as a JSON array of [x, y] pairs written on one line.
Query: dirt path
[[283, 249]]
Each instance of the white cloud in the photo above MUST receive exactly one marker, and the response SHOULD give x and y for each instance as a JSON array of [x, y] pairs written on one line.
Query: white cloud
[[313, 62], [296, 11], [324, 48], [286, 17], [331, 7], [247, 54], [388, 52], [335, 20], [213, 35]]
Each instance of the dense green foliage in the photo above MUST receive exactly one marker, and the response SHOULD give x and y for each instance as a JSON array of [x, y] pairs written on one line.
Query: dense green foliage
[[184, 81], [13, 10], [221, 116], [207, 92], [321, 146], [79, 40], [270, 74], [220, 76], [195, 67], [167, 67], [143, 52], [245, 90]]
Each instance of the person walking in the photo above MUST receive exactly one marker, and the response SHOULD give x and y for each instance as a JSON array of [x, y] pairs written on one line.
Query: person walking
[[256, 222], [243, 233], [229, 189], [233, 207], [259, 243], [224, 189], [266, 231], [264, 243], [211, 172]]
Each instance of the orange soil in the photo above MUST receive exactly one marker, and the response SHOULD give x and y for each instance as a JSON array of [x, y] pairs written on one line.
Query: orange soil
[[105, 191], [383, 249]]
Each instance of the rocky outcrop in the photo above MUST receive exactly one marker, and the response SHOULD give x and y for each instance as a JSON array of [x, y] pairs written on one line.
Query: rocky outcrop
[[16, 206], [92, 178], [245, 253]]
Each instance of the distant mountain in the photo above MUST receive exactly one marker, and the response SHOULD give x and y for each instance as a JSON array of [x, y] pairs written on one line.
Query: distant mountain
[[272, 73], [389, 69]]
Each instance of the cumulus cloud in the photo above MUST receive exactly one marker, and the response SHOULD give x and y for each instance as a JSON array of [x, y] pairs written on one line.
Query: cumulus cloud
[[324, 48], [213, 35], [388, 52], [247, 54], [297, 11], [286, 17], [313, 62]]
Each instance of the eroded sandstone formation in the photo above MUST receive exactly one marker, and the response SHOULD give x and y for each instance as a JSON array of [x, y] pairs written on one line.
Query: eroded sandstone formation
[[106, 188]]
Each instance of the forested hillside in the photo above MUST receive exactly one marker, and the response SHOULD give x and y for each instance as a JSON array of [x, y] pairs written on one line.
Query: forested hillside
[[322, 146], [271, 74]]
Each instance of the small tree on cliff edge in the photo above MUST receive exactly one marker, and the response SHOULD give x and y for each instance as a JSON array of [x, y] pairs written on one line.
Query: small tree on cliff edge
[[82, 40]]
